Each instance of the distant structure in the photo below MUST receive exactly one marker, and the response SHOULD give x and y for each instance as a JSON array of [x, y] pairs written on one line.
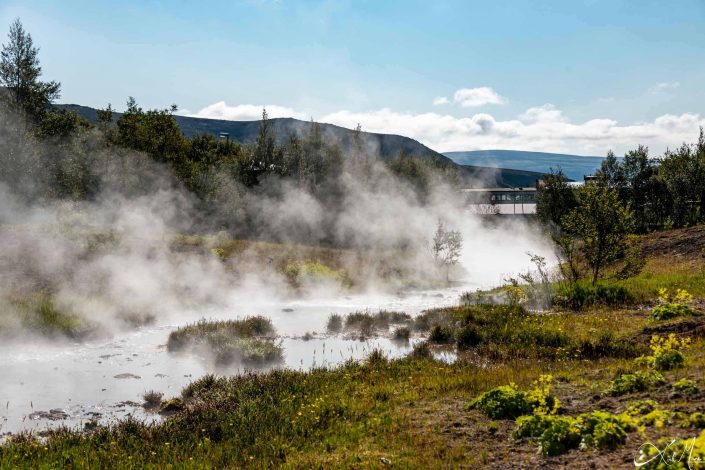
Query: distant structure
[[501, 201], [224, 135]]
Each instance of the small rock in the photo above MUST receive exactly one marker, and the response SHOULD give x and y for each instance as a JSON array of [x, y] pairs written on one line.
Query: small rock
[[127, 375]]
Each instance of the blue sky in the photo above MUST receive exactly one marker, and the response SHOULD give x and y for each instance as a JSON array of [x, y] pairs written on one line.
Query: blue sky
[[541, 75]]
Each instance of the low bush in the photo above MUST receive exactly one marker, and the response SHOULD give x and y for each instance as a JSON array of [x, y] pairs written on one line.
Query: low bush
[[335, 323], [402, 333], [468, 337], [686, 386], [370, 324], [559, 434], [249, 341], [696, 420], [670, 310], [665, 352], [641, 407], [673, 304], [504, 402], [421, 351], [582, 295], [682, 454], [441, 334], [636, 382], [508, 402], [152, 399]]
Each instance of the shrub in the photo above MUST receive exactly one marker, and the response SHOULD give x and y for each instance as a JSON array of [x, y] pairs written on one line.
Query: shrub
[[673, 304], [606, 434], [578, 296], [605, 344], [468, 337], [376, 357], [504, 402], [248, 341], [532, 425], [41, 313], [686, 386], [401, 333], [641, 407], [173, 405], [670, 310], [657, 417], [696, 420], [665, 352], [560, 436], [636, 382], [441, 334], [421, 351], [335, 323], [152, 399], [368, 324], [508, 402], [681, 454], [669, 360]]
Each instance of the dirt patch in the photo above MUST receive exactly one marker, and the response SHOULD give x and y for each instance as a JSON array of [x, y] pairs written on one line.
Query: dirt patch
[[487, 443], [687, 243], [693, 327]]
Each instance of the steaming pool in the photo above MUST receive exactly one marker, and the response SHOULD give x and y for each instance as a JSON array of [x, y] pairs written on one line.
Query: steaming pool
[[71, 384]]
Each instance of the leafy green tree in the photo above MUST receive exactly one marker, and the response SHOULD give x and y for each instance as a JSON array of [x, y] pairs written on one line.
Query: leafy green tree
[[637, 171], [20, 72], [155, 132], [683, 171], [602, 222], [554, 198], [611, 172], [267, 156]]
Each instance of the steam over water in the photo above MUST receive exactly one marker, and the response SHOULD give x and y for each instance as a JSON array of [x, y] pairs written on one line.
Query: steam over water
[[82, 379]]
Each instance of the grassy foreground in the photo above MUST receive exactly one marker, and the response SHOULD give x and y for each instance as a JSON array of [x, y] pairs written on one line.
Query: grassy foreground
[[613, 389], [411, 412]]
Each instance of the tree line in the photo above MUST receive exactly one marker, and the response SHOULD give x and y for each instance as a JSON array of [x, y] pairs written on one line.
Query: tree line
[[52, 153], [636, 194]]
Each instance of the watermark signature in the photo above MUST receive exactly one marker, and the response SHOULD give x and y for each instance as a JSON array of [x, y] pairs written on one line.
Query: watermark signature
[[673, 452]]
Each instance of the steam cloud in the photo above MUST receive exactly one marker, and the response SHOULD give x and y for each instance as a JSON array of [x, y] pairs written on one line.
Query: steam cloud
[[113, 259]]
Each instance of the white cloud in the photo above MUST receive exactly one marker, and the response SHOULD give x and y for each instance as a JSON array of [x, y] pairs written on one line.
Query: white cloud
[[545, 113], [664, 87], [475, 97], [245, 112], [540, 128], [440, 100]]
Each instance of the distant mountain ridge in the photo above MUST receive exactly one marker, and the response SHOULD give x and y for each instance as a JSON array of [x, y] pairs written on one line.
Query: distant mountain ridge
[[574, 166], [382, 146]]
